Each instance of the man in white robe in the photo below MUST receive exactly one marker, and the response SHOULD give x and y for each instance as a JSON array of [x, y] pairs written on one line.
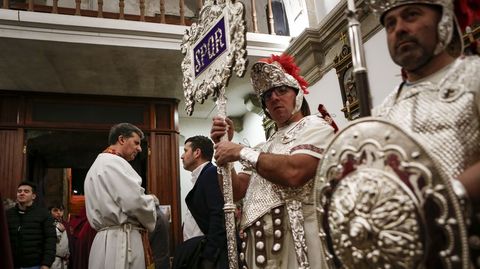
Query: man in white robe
[[117, 206]]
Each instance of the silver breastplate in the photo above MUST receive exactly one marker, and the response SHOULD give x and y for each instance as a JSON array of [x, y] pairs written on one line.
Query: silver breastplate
[[263, 195], [444, 118]]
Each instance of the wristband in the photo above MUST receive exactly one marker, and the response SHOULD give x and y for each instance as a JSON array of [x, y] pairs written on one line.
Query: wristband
[[249, 157]]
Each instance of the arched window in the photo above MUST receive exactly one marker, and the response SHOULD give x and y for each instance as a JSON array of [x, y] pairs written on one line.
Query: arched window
[[279, 18]]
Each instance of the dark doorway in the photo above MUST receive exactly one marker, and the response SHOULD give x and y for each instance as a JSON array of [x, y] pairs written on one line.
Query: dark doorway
[[59, 160]]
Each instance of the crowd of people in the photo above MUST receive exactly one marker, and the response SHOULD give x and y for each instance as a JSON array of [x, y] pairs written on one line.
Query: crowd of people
[[438, 104], [38, 237]]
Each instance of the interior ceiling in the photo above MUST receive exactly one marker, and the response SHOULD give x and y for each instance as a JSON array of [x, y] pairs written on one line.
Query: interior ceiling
[[45, 66]]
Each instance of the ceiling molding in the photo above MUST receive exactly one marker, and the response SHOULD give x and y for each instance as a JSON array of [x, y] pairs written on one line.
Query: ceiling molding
[[316, 48]]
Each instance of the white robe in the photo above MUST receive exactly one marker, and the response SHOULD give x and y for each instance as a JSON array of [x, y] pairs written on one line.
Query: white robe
[[113, 197]]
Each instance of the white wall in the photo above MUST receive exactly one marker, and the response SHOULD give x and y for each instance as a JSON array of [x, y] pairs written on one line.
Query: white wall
[[319, 11], [327, 92], [383, 76], [252, 133], [329, 5], [383, 73], [297, 16], [323, 7]]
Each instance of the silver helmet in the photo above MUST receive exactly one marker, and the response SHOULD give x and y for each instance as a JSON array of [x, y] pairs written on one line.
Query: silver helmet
[[448, 27], [278, 70]]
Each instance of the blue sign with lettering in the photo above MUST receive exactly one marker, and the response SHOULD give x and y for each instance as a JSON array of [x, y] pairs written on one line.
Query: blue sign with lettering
[[212, 45]]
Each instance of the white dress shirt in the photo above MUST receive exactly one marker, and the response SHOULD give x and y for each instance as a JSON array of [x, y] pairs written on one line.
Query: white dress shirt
[[190, 226]]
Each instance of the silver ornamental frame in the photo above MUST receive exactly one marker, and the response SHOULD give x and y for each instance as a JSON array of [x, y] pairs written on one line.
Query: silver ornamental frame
[[373, 190], [213, 82]]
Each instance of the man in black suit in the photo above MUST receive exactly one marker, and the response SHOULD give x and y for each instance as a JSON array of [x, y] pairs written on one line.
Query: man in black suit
[[205, 243]]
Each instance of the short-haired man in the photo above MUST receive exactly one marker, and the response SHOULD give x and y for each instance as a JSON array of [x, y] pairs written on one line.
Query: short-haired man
[[278, 220], [439, 103], [31, 230], [204, 218], [116, 204]]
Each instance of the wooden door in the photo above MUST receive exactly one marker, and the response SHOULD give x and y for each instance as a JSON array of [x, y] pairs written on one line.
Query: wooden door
[[164, 178], [11, 161]]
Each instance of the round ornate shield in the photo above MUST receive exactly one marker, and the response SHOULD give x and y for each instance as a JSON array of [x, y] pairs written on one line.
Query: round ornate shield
[[381, 203]]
